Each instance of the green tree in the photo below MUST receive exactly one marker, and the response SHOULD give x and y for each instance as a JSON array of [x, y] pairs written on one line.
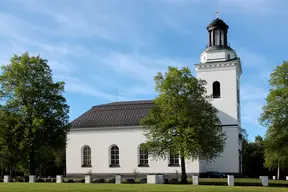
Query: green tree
[[182, 121], [275, 157], [10, 152], [253, 157], [275, 117], [28, 88]]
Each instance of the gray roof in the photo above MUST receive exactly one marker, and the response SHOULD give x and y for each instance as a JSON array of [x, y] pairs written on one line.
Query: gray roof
[[126, 113]]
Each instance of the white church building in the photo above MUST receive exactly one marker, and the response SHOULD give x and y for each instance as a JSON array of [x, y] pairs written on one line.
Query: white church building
[[105, 140]]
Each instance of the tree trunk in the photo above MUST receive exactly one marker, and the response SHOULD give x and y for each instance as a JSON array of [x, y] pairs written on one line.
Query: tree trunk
[[278, 171], [183, 170], [32, 161]]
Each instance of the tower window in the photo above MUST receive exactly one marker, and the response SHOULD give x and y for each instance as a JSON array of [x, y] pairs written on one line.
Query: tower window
[[217, 37], [238, 94], [216, 89], [238, 113], [222, 38]]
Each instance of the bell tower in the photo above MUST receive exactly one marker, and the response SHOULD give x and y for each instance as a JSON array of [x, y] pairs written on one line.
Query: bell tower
[[221, 68]]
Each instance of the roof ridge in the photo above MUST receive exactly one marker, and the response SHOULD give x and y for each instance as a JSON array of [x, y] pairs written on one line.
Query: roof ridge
[[136, 102]]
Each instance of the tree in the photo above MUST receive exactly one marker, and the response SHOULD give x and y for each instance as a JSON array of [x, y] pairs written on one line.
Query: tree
[[182, 121], [275, 116], [28, 89], [10, 136], [253, 157], [275, 157]]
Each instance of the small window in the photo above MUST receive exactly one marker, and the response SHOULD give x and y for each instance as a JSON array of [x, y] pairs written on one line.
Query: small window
[[86, 154], [238, 113], [114, 156], [174, 160], [238, 93], [222, 37], [216, 89], [228, 56], [143, 157], [217, 36]]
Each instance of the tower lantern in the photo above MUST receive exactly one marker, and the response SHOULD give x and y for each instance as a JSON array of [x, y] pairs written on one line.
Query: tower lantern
[[217, 31]]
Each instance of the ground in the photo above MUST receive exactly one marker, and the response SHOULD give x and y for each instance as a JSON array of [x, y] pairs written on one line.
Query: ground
[[80, 187], [206, 185]]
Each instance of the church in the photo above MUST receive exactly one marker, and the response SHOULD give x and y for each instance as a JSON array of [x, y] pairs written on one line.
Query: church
[[105, 140]]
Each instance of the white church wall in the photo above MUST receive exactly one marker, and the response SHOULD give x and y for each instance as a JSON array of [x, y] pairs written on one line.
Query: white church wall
[[228, 162], [227, 103], [127, 139], [227, 106]]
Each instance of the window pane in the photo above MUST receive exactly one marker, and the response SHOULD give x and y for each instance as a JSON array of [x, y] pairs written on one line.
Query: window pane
[[114, 155], [86, 154], [143, 156], [217, 37], [174, 159], [222, 37]]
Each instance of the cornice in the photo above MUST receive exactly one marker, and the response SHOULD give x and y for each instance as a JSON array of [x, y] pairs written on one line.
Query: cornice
[[219, 65]]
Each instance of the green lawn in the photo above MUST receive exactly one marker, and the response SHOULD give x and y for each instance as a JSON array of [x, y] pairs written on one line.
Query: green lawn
[[242, 182], [80, 187]]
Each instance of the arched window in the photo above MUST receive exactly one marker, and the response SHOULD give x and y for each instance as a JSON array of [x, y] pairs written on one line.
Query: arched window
[[143, 157], [86, 155], [216, 89], [114, 156], [174, 160]]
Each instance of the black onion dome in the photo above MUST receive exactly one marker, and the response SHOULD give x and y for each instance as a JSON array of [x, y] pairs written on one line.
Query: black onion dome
[[217, 23]]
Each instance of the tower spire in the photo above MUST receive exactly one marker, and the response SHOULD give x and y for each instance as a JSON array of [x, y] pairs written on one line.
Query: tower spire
[[217, 31]]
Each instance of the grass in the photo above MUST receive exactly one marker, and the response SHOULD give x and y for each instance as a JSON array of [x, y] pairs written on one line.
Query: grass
[[206, 185], [242, 182], [79, 187]]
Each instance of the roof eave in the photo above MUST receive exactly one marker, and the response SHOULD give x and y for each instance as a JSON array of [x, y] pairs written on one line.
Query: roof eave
[[106, 128]]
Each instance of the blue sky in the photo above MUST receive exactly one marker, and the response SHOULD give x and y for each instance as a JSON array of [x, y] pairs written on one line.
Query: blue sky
[[109, 50]]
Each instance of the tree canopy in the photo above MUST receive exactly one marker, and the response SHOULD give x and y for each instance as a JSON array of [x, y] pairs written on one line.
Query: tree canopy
[[253, 157], [183, 121], [38, 108], [275, 117]]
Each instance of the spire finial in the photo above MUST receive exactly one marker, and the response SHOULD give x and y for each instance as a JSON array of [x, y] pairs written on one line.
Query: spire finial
[[217, 14]]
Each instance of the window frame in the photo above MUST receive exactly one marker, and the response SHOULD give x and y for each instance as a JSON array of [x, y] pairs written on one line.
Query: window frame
[[174, 160], [216, 86], [143, 157], [86, 158], [114, 153]]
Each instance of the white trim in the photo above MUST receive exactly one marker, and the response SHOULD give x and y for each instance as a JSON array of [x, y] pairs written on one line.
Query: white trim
[[220, 65]]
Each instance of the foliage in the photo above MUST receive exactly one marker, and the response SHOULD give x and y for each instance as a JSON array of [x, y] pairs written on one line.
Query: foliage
[[275, 117], [253, 157], [274, 157], [183, 120], [10, 152], [30, 94]]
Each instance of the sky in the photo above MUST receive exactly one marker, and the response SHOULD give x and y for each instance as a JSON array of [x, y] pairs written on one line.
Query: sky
[[110, 50]]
